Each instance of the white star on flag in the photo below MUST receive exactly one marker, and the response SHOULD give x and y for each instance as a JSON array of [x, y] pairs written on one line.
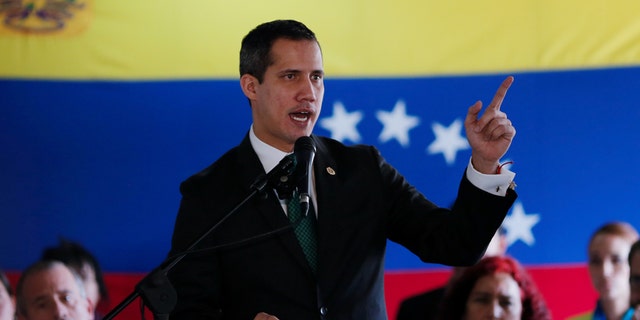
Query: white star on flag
[[397, 124], [518, 225], [448, 140], [342, 124]]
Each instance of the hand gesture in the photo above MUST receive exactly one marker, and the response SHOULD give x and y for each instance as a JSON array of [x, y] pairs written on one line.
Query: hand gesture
[[490, 135]]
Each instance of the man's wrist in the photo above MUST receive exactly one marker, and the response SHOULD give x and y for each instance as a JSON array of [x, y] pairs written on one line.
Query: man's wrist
[[495, 183], [491, 167]]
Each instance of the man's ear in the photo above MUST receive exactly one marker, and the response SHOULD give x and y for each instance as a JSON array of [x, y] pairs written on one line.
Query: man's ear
[[248, 83]]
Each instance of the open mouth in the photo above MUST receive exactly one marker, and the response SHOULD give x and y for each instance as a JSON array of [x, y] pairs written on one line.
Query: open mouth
[[300, 116]]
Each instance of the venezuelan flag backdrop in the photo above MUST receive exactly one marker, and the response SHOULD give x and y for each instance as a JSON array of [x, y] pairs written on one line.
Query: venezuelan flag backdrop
[[106, 106]]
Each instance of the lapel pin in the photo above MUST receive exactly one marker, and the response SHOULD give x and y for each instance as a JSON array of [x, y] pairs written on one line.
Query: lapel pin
[[331, 171]]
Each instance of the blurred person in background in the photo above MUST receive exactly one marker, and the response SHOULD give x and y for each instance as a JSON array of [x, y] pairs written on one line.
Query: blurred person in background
[[608, 253], [80, 260], [494, 288], [424, 306], [51, 290]]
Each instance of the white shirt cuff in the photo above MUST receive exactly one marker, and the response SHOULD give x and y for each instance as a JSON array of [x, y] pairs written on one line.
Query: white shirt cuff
[[493, 183]]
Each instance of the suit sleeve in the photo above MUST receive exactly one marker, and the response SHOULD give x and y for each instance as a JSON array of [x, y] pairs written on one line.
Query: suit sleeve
[[455, 237]]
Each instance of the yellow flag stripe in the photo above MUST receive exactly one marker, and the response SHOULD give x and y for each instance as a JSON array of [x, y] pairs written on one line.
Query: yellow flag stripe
[[167, 39]]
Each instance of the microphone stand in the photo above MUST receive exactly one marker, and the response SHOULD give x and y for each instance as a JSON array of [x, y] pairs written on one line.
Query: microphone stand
[[156, 290]]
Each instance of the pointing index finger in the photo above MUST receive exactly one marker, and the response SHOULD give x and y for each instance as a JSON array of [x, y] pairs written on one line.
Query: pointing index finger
[[501, 93]]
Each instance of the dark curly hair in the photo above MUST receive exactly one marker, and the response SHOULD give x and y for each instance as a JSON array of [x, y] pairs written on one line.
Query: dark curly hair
[[455, 301]]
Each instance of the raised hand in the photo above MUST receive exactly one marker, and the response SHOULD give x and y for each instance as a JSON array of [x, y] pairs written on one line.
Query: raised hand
[[490, 135]]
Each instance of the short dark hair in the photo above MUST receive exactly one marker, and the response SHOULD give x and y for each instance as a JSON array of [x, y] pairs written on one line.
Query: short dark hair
[[75, 256], [255, 53]]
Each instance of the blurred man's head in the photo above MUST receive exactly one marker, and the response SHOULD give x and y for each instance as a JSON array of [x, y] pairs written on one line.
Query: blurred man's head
[[50, 290], [608, 252], [84, 264], [634, 273]]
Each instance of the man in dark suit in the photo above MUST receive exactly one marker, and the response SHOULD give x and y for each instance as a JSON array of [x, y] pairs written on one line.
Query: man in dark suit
[[358, 201]]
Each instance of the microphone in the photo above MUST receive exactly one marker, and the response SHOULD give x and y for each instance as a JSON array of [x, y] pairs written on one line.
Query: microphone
[[305, 151], [284, 168]]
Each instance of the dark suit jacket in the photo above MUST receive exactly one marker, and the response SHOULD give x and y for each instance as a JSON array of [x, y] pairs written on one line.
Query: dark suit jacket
[[360, 206]]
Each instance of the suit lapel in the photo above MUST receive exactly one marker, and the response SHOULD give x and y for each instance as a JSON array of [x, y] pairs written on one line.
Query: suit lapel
[[267, 204], [328, 182]]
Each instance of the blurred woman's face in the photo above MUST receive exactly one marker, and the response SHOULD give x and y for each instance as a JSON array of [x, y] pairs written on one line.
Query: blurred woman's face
[[495, 296], [608, 266]]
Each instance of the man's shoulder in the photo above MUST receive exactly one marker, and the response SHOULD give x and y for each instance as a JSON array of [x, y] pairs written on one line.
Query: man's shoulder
[[336, 147], [217, 170]]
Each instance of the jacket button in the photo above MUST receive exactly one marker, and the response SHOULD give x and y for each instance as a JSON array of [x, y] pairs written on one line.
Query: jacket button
[[323, 311]]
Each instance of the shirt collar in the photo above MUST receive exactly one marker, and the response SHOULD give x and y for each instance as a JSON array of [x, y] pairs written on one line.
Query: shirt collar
[[268, 155]]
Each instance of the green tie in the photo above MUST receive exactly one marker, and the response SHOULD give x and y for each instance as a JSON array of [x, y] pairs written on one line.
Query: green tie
[[305, 230]]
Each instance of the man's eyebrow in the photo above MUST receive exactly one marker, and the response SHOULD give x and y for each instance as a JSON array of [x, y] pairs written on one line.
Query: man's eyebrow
[[65, 291], [285, 71]]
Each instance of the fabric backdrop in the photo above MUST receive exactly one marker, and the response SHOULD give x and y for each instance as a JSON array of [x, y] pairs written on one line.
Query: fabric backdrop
[[106, 106]]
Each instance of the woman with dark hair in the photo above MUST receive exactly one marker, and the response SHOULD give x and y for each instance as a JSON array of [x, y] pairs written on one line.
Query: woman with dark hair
[[494, 288]]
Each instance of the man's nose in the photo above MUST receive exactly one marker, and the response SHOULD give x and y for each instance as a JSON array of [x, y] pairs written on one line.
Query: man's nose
[[307, 90], [607, 268], [60, 312]]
